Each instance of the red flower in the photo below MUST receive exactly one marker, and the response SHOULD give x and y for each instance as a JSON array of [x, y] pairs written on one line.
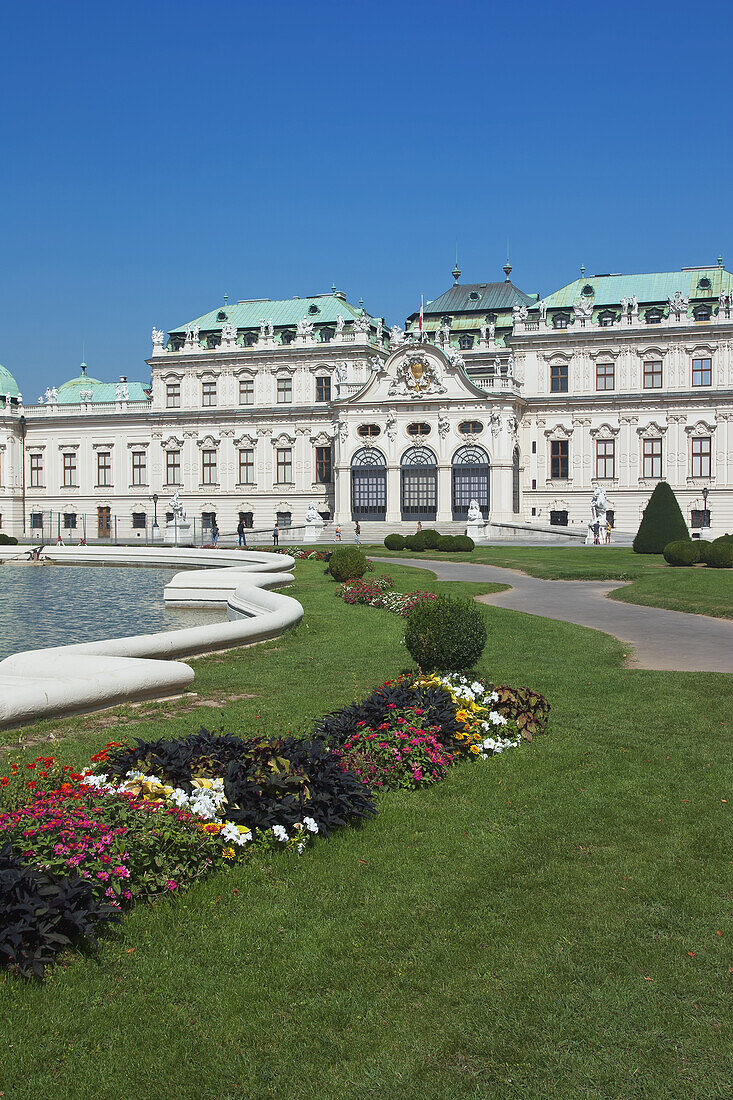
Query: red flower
[[32, 785], [30, 765], [4, 781]]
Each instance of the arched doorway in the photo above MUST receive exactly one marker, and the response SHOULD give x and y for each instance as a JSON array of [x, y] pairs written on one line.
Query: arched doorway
[[470, 480], [515, 482], [419, 476], [368, 484]]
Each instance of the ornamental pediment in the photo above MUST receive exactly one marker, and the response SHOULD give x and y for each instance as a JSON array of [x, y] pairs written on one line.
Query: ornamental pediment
[[701, 428], [416, 371], [651, 430]]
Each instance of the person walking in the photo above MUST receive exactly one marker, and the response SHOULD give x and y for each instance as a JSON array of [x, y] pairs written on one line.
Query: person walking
[[609, 528], [357, 532], [275, 535], [338, 532], [419, 526], [214, 534], [241, 537]]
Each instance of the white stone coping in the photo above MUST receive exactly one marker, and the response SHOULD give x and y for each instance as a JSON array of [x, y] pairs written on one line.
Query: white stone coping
[[42, 683]]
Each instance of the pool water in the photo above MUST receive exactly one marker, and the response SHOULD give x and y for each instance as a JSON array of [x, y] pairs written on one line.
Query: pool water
[[48, 605]]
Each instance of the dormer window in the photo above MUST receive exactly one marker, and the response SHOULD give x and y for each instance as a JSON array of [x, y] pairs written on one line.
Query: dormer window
[[327, 334], [587, 291], [287, 336], [313, 308], [465, 341], [221, 315], [701, 313], [561, 320], [250, 339], [606, 318], [653, 316], [704, 283], [474, 296]]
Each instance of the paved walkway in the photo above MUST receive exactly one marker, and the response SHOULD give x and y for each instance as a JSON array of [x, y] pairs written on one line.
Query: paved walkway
[[666, 640]]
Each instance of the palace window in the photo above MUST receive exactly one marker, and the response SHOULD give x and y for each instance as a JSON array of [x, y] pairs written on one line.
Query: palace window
[[70, 481], [208, 467], [246, 391], [326, 334], [465, 341], [653, 375], [323, 388], [702, 456], [36, 472], [652, 459], [246, 467], [369, 430], [561, 320], [605, 458], [559, 459], [104, 468], [287, 336], [470, 427], [284, 519], [69, 521], [208, 393], [653, 316], [606, 318], [36, 521], [558, 517], [699, 517], [559, 378], [605, 376], [702, 372], [284, 391], [173, 395], [173, 467], [284, 466], [702, 313], [138, 521], [139, 468], [250, 338], [704, 283], [418, 429], [324, 465]]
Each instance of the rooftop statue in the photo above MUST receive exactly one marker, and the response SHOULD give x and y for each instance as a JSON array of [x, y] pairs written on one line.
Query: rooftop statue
[[263, 328], [304, 327], [158, 337], [543, 309], [339, 324], [396, 336], [270, 329], [362, 323]]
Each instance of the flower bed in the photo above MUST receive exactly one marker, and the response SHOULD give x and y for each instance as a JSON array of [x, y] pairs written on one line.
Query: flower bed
[[380, 592], [146, 820]]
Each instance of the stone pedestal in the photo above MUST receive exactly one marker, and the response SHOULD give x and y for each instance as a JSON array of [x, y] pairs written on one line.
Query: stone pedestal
[[313, 532], [178, 534], [476, 531]]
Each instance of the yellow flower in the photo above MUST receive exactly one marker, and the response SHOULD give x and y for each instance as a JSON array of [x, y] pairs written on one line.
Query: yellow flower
[[474, 748], [228, 853]]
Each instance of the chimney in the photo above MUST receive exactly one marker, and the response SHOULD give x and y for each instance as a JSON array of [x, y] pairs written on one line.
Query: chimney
[[123, 378]]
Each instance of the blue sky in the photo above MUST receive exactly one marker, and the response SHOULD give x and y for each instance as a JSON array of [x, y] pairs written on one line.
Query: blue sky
[[160, 154]]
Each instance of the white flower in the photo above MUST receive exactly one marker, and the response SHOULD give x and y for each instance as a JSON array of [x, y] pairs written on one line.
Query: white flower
[[230, 832], [310, 824], [280, 833], [179, 797], [477, 687], [497, 719], [493, 697]]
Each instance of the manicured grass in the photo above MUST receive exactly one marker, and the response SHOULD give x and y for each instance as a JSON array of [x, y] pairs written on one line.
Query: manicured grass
[[544, 925], [697, 590]]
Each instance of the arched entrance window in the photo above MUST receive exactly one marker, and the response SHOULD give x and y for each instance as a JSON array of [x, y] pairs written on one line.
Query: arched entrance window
[[515, 481], [368, 484], [419, 484], [470, 480]]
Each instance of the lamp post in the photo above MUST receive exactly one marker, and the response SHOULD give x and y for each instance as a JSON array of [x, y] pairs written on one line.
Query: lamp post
[[23, 428], [705, 516], [155, 513]]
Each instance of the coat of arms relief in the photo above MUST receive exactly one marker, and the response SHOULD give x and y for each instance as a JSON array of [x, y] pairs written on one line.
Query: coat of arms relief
[[416, 376]]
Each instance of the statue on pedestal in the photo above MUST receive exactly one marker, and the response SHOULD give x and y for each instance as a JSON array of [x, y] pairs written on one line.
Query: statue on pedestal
[[598, 507], [313, 524], [474, 512]]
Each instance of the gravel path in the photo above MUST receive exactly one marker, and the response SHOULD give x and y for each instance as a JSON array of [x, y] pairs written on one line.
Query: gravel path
[[665, 640]]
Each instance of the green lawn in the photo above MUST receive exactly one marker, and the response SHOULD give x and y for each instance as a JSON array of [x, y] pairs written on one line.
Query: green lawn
[[698, 590], [523, 929]]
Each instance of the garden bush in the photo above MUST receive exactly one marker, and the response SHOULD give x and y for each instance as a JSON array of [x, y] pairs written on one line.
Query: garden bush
[[447, 543], [395, 542], [430, 538], [661, 523], [347, 562], [42, 914], [463, 543], [682, 552], [7, 540], [415, 543], [723, 538], [446, 634], [719, 555]]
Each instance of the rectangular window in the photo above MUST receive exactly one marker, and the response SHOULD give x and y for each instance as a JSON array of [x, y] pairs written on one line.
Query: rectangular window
[[104, 468], [702, 456], [208, 394], [559, 378], [246, 391], [246, 467], [652, 458], [37, 521], [323, 389], [653, 375], [605, 376], [70, 481], [138, 520], [284, 465], [700, 517], [284, 391], [173, 467], [324, 470], [208, 467], [559, 459], [173, 395], [139, 468], [70, 521], [36, 471], [702, 372], [605, 458]]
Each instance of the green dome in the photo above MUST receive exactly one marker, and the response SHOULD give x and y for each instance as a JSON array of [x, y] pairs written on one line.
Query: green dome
[[82, 381], [8, 385]]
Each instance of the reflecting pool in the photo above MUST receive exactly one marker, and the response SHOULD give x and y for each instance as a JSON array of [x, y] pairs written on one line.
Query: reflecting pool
[[47, 605]]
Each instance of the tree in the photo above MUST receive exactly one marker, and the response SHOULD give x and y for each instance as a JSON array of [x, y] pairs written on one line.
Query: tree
[[661, 523]]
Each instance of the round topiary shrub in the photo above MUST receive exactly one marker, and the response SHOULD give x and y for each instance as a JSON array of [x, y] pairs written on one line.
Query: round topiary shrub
[[723, 538], [447, 544], [463, 543], [415, 543], [682, 552], [445, 634], [7, 540], [347, 562], [719, 555], [395, 542], [431, 539]]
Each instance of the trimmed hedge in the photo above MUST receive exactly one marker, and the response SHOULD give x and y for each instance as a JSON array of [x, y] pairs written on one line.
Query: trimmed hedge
[[347, 562], [395, 542], [415, 543], [463, 543], [445, 634], [7, 540], [682, 552], [661, 523], [719, 555], [430, 538]]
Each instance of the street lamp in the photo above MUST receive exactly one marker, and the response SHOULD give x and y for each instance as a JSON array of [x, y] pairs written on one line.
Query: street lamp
[[23, 423], [155, 514], [705, 515]]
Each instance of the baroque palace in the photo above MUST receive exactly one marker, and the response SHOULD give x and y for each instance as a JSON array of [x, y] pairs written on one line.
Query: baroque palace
[[525, 404]]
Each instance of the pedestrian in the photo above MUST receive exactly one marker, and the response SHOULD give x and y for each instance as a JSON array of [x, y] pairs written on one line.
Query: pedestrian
[[596, 533], [214, 533], [419, 526], [609, 528], [275, 535], [241, 537], [357, 532], [338, 532]]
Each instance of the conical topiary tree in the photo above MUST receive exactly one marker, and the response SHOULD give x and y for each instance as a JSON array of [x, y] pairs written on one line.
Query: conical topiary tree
[[661, 523]]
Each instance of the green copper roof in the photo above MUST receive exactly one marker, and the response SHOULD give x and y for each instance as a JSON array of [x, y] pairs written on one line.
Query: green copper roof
[[656, 287], [102, 393], [8, 385], [321, 309], [82, 381]]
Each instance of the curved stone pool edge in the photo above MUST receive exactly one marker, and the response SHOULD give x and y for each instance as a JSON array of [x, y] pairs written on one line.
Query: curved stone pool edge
[[56, 681]]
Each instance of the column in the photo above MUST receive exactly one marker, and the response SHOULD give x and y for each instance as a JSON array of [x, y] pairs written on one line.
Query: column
[[445, 489], [394, 505]]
